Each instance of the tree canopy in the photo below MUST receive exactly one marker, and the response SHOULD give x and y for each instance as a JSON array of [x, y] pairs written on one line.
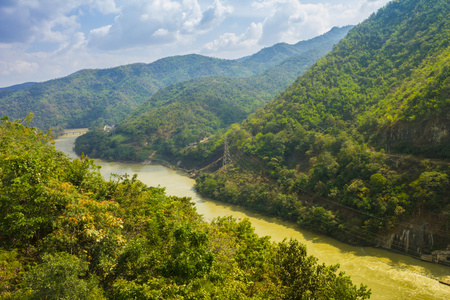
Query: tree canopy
[[66, 233]]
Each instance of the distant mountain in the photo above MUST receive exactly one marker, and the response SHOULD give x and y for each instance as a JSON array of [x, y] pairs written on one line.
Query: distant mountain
[[185, 113], [272, 56], [334, 151], [18, 86], [108, 95]]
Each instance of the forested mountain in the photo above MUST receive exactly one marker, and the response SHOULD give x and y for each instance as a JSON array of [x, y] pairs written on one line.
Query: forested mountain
[[272, 56], [106, 96], [330, 152], [66, 233], [190, 111], [17, 86]]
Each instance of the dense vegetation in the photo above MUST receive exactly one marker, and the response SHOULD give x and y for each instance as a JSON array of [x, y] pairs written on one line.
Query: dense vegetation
[[66, 233], [98, 97], [106, 96], [188, 112], [330, 152]]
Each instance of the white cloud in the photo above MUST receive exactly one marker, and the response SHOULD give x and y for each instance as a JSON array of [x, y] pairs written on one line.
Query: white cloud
[[42, 39], [18, 67], [28, 21], [291, 21], [215, 14], [101, 31], [139, 22], [106, 6], [231, 42], [161, 32]]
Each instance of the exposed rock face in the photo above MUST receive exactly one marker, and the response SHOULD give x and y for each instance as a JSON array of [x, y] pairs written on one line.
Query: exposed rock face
[[442, 257], [415, 240], [423, 137], [427, 133]]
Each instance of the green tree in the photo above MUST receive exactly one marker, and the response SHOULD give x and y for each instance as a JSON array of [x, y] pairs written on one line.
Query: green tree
[[11, 266], [60, 276], [303, 278], [190, 257], [431, 190]]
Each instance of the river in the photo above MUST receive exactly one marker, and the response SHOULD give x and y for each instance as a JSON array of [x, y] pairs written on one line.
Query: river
[[387, 274]]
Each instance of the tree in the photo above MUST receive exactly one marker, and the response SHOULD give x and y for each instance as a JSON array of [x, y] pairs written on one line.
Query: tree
[[431, 190], [60, 276], [31, 196], [190, 256], [303, 278]]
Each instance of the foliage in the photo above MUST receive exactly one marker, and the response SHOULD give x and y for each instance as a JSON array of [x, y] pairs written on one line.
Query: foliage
[[330, 152], [178, 117], [59, 276], [11, 265], [76, 236], [293, 262]]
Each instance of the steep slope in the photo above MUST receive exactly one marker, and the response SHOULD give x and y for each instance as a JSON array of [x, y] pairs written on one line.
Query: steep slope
[[187, 112], [310, 155], [108, 95], [380, 75]]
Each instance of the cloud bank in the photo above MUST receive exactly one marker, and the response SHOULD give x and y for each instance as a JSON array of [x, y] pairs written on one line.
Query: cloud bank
[[44, 39]]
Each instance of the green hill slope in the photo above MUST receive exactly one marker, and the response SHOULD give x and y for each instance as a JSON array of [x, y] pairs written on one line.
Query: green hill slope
[[272, 56], [106, 96], [310, 155], [80, 99], [187, 112]]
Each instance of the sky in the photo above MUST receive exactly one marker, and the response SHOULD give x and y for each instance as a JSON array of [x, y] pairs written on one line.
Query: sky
[[46, 39]]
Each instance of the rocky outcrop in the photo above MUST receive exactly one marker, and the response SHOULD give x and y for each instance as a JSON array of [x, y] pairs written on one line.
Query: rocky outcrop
[[417, 241], [441, 257], [414, 240], [423, 138], [426, 133]]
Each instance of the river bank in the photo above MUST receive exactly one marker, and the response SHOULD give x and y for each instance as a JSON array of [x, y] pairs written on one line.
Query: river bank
[[409, 239]]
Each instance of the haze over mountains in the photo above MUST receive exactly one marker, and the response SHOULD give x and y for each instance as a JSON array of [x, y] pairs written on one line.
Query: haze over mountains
[[110, 94]]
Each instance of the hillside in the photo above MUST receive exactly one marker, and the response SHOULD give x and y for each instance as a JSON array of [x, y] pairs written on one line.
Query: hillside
[[80, 99], [106, 96], [190, 111], [17, 86], [66, 233], [331, 152]]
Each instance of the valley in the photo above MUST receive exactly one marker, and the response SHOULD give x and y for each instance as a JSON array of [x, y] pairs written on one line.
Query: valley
[[341, 141], [388, 274]]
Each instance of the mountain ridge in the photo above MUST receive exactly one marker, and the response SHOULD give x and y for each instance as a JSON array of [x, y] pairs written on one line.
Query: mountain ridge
[[80, 99], [187, 112]]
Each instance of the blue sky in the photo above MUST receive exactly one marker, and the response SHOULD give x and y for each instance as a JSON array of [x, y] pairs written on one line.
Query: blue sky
[[46, 39]]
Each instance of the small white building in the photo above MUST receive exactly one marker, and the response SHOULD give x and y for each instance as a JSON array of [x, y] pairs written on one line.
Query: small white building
[[108, 128]]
